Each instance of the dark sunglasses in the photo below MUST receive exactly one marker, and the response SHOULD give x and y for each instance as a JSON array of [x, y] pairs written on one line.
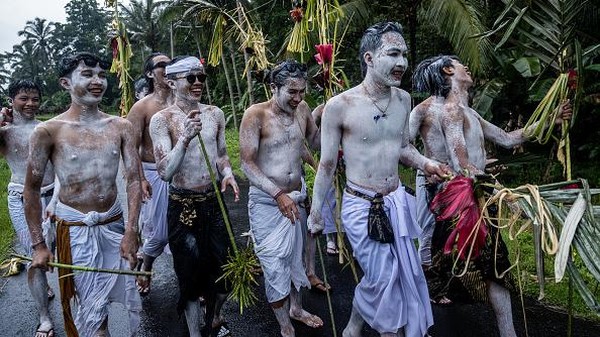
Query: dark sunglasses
[[192, 78], [89, 61], [161, 64]]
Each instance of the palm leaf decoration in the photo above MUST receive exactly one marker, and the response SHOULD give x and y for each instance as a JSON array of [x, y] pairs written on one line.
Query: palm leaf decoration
[[547, 30], [562, 217]]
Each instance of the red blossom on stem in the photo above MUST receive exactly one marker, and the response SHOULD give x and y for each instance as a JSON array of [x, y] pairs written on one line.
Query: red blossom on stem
[[297, 14], [456, 201], [572, 79], [324, 55]]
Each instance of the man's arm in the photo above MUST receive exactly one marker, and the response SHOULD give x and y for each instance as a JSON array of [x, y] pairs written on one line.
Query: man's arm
[[331, 135], [313, 133], [40, 145], [131, 164], [516, 137], [223, 163], [138, 120], [409, 155], [168, 158], [250, 129]]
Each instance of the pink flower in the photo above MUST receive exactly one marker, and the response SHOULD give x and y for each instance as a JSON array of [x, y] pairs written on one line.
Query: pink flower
[[456, 202], [324, 54]]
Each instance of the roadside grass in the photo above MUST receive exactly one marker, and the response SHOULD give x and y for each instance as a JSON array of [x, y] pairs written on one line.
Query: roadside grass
[[7, 234]]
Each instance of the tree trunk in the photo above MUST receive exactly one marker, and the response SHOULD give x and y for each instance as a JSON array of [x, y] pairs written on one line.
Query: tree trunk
[[230, 88], [235, 72]]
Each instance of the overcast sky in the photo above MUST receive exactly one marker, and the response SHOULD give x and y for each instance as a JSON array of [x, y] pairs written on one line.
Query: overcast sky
[[16, 13]]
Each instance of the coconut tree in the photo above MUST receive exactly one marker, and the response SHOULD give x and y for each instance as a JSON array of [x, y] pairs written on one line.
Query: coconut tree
[[142, 18], [40, 33]]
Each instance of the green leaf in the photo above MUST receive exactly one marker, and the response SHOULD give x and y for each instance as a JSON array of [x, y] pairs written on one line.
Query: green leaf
[[527, 66]]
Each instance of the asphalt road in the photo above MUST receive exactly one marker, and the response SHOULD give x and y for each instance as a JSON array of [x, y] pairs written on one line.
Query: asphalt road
[[18, 315]]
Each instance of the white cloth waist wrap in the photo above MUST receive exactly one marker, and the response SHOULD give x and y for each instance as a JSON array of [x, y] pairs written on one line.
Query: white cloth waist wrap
[[153, 215], [16, 210], [278, 242], [99, 247], [392, 294]]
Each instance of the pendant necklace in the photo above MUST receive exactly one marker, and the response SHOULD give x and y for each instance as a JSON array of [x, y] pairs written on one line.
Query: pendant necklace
[[383, 112]]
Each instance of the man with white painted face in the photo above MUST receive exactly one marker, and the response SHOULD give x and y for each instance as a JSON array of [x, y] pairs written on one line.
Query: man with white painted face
[[198, 237], [85, 145], [370, 121], [18, 123], [272, 138], [454, 133], [153, 215]]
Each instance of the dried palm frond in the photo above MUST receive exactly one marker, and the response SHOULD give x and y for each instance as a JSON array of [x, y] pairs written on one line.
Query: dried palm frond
[[553, 209]]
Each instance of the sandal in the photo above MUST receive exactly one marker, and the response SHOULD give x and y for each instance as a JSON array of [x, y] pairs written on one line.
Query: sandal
[[44, 333], [331, 249], [317, 285]]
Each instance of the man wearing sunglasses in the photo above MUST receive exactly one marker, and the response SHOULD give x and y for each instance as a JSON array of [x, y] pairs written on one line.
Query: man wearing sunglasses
[[85, 145], [153, 215], [197, 235]]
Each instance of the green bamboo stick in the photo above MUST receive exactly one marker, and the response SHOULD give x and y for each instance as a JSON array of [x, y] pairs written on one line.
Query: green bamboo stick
[[327, 291], [213, 178], [90, 269]]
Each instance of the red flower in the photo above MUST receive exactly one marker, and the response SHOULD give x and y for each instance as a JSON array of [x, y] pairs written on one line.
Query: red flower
[[572, 81], [324, 54], [297, 14], [573, 186], [202, 61], [456, 201], [114, 45]]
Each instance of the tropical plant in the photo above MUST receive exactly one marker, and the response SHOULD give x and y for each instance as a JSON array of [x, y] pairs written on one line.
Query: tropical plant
[[142, 18], [40, 34]]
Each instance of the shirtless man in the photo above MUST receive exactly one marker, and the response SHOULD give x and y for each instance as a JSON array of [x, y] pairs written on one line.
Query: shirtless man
[[370, 122], [85, 145], [153, 215], [17, 126], [272, 136], [454, 133], [197, 234]]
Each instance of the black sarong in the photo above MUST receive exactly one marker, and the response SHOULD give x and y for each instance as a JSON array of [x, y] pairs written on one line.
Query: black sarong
[[199, 243]]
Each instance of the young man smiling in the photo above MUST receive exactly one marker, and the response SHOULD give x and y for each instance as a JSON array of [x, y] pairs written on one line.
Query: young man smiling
[[18, 123], [197, 235], [272, 136], [85, 145]]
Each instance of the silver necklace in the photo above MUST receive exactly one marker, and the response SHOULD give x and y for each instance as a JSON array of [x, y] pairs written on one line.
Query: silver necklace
[[383, 112]]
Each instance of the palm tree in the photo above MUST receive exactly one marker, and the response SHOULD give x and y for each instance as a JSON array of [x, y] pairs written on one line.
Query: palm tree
[[40, 34], [142, 20]]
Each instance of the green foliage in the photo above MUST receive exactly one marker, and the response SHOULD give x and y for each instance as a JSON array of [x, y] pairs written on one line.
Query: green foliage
[[233, 150], [7, 234]]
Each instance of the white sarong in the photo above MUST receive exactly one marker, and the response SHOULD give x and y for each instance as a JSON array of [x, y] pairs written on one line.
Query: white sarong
[[393, 292], [153, 215], [278, 243], [16, 210], [98, 246], [425, 219]]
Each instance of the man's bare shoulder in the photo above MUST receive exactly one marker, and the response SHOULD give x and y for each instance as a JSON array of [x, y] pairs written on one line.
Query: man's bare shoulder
[[345, 100], [212, 109], [257, 111]]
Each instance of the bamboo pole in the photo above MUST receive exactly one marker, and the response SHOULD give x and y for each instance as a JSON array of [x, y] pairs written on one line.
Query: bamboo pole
[[89, 269]]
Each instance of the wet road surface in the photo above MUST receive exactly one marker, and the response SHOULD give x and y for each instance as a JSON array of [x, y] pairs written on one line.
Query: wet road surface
[[18, 315]]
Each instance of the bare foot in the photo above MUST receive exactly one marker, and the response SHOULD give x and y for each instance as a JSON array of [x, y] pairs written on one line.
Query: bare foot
[[307, 318], [348, 332], [288, 331]]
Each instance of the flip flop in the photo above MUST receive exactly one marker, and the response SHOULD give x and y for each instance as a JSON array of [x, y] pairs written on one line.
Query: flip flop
[[318, 285], [44, 333], [331, 250]]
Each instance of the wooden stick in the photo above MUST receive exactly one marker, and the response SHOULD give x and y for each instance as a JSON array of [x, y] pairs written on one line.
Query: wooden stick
[[84, 268]]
